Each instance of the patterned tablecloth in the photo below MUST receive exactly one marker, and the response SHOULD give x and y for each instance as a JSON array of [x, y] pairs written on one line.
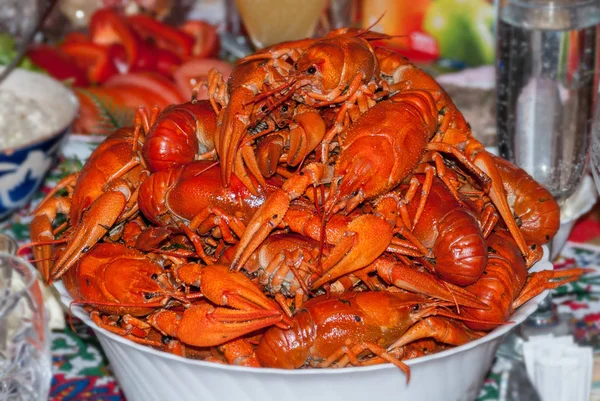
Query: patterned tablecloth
[[82, 372]]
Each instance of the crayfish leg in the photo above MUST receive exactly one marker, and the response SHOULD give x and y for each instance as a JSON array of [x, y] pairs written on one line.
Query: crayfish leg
[[546, 280], [441, 329], [345, 355], [95, 223]]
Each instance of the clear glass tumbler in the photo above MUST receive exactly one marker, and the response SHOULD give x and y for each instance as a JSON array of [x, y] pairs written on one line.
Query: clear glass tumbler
[[547, 75], [25, 362], [547, 79]]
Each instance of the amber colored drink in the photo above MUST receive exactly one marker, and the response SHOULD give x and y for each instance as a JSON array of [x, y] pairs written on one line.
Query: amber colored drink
[[273, 21]]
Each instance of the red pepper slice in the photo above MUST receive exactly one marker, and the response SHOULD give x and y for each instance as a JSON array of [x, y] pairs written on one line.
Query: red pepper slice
[[206, 39], [93, 58], [163, 35], [72, 37], [166, 62], [107, 28], [57, 64], [147, 58]]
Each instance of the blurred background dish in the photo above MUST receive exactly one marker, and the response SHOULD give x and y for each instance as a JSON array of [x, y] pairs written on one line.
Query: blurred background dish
[[473, 92], [25, 162]]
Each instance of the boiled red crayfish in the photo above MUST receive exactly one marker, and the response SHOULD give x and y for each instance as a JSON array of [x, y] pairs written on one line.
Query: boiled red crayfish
[[327, 205], [101, 195], [343, 329]]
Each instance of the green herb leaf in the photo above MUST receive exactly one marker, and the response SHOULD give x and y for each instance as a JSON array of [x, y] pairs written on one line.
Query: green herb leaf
[[111, 116]]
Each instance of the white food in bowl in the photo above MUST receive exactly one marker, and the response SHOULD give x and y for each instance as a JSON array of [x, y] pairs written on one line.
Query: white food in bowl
[[146, 374], [52, 96], [22, 120]]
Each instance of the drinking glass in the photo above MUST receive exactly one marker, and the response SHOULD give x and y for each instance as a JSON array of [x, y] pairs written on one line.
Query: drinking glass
[[273, 21], [547, 80], [25, 363], [19, 17], [21, 21]]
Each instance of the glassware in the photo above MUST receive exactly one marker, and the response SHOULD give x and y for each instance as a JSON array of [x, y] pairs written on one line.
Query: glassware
[[19, 17], [273, 21], [547, 80], [20, 20], [25, 363]]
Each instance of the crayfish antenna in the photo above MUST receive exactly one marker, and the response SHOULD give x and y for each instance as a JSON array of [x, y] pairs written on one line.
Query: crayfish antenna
[[38, 243]]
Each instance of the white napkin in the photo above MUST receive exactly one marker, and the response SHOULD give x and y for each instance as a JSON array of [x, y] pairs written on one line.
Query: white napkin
[[559, 369]]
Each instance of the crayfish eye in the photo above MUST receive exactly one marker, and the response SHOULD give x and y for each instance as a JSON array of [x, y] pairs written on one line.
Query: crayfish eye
[[311, 70], [415, 308], [284, 108]]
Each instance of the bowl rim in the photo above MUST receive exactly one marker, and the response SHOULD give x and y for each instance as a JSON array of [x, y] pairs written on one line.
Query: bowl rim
[[518, 317], [68, 94]]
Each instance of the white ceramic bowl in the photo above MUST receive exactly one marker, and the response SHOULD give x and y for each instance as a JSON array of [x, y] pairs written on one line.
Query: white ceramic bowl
[[456, 374], [23, 168]]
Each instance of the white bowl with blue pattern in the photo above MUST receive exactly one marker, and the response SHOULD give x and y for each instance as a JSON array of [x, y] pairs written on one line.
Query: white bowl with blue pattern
[[23, 168]]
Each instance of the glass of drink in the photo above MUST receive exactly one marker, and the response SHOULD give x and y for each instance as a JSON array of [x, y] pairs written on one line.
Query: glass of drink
[[546, 81], [273, 21], [25, 363]]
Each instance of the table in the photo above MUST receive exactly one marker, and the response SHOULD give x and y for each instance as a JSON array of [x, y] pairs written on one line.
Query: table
[[81, 370]]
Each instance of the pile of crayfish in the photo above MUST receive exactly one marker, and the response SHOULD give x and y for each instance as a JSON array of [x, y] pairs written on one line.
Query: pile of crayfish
[[325, 206]]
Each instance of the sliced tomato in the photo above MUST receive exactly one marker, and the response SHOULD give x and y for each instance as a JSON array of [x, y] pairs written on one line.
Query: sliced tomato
[[147, 58], [57, 64], [118, 55], [157, 84], [144, 97], [107, 27], [196, 70], [163, 35], [206, 39], [93, 58]]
